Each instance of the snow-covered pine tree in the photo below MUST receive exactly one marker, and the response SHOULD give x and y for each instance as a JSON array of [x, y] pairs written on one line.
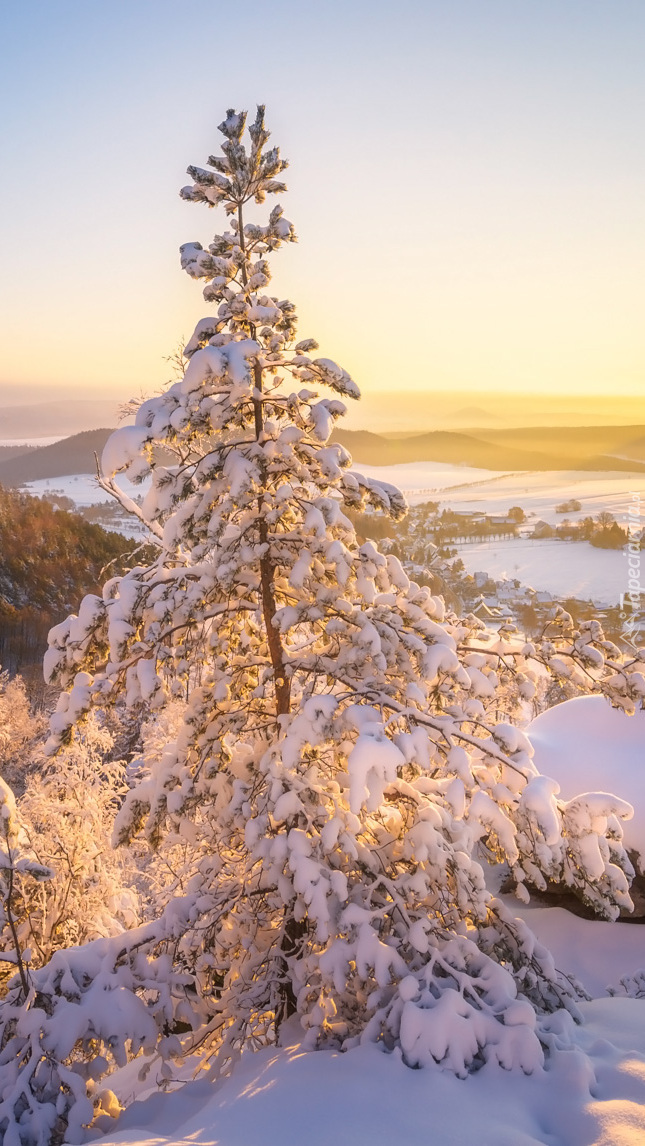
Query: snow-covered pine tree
[[333, 771]]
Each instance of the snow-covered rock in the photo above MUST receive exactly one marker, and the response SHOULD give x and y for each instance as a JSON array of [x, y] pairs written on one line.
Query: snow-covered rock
[[588, 746]]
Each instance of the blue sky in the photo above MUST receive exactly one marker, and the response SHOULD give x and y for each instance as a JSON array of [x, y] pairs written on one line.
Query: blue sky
[[467, 184]]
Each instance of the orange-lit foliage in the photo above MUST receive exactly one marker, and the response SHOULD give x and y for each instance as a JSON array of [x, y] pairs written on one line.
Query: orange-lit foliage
[[48, 559]]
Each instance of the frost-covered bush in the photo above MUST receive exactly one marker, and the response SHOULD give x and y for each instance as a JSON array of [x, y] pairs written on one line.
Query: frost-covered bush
[[630, 986], [20, 873], [68, 812], [88, 1010], [21, 733], [60, 884], [333, 757], [65, 818]]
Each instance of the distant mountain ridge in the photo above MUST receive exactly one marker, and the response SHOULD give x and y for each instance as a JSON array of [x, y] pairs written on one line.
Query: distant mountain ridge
[[464, 449], [476, 416], [76, 454], [583, 441], [73, 455]]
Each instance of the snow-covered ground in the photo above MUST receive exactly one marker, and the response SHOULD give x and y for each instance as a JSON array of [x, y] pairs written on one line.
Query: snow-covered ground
[[563, 568], [598, 954], [539, 493], [586, 745], [83, 489], [591, 1094], [483, 491], [574, 569]]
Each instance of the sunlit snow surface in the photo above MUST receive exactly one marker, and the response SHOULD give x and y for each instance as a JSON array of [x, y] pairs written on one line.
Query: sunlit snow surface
[[588, 746], [563, 568], [483, 491], [368, 1098]]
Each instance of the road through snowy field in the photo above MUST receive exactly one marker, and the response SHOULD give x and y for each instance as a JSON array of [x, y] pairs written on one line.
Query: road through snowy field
[[426, 481]]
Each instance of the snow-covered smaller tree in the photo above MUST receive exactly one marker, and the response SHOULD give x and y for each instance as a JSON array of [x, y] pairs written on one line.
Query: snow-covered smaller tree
[[87, 1011], [81, 991]]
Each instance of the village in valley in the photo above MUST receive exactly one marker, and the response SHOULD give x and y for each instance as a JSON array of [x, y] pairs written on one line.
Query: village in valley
[[434, 542]]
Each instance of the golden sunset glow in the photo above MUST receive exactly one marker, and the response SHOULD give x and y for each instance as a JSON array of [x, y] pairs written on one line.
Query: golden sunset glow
[[480, 225]]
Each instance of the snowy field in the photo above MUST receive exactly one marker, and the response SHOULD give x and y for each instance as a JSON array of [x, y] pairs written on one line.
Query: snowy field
[[424, 478], [481, 491], [564, 568], [83, 489], [568, 569], [592, 1094], [538, 493]]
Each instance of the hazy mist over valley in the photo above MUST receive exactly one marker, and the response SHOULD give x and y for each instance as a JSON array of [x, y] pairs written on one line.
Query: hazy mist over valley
[[32, 412]]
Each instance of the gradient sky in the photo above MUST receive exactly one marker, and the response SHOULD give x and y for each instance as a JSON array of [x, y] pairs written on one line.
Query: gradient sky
[[467, 181]]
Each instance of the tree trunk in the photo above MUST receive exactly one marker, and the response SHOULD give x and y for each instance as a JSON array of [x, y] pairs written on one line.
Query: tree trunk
[[267, 569], [294, 930]]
